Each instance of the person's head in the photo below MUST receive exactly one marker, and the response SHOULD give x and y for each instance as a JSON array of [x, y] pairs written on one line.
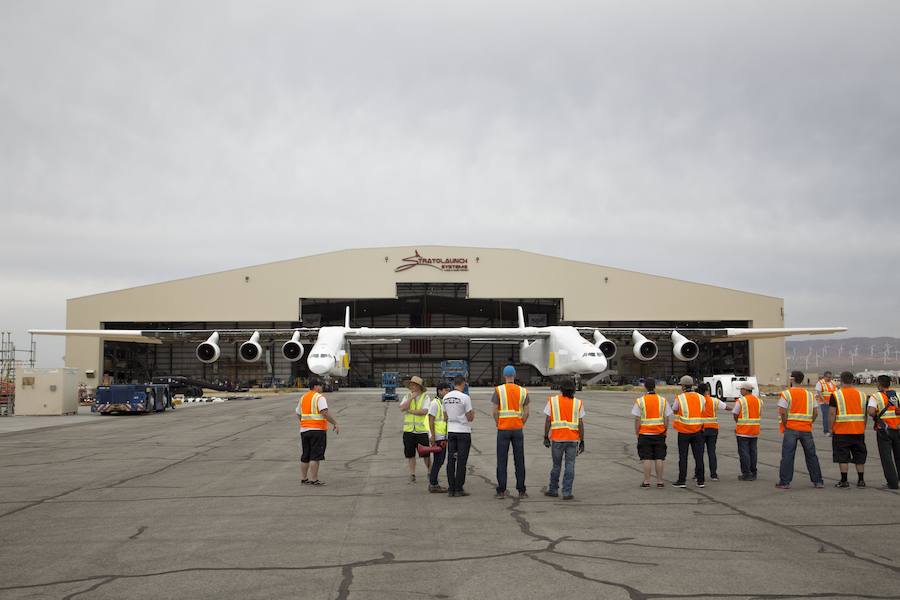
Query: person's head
[[797, 377], [686, 382], [315, 384], [846, 378], [459, 383], [884, 382], [746, 388], [703, 389], [442, 388], [567, 387], [650, 385], [509, 373], [416, 385]]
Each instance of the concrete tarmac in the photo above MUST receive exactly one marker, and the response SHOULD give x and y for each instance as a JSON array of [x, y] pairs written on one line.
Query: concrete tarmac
[[206, 502]]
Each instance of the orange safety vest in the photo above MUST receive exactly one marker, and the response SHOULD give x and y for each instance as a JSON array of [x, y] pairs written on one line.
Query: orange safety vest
[[564, 418], [749, 418], [890, 419], [710, 413], [653, 414], [828, 388], [309, 412], [800, 409], [850, 417], [511, 411], [689, 416]]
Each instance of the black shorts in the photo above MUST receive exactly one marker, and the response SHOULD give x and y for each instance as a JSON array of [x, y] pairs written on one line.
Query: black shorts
[[651, 447], [312, 445], [411, 441], [849, 448]]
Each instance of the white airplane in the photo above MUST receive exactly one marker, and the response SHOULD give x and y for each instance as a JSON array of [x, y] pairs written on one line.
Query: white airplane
[[554, 350]]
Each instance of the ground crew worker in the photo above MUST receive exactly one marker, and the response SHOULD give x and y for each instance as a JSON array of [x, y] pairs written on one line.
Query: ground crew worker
[[651, 422], [460, 414], [689, 408], [313, 415], [797, 413], [564, 434], [711, 428], [885, 409], [848, 429], [510, 413], [747, 414], [437, 425], [825, 388], [414, 407]]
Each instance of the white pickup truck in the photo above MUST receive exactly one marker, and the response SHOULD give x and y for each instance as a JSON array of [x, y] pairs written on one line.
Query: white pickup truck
[[725, 387]]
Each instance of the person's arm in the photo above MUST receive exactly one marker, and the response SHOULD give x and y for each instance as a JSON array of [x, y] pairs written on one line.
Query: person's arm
[[495, 412], [404, 404], [547, 431], [815, 412], [325, 413], [470, 415], [431, 427], [526, 412], [637, 426]]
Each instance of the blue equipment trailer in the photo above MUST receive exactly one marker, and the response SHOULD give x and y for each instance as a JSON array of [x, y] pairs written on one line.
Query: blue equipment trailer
[[455, 368], [389, 381], [140, 398]]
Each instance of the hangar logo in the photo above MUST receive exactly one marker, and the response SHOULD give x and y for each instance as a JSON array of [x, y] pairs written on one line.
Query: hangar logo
[[441, 264]]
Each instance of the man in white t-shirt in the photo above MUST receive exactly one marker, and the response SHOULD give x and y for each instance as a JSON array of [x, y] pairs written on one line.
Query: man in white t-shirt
[[459, 413]]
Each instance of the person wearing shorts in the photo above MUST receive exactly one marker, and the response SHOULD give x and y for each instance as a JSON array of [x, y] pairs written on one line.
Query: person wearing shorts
[[848, 429], [651, 421], [414, 407], [314, 417]]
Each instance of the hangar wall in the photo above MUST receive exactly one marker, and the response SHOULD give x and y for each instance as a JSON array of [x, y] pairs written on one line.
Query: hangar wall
[[272, 291]]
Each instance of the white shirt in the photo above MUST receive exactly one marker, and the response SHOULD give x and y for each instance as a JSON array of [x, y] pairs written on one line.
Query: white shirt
[[456, 405], [549, 413], [433, 411], [322, 404], [636, 410]]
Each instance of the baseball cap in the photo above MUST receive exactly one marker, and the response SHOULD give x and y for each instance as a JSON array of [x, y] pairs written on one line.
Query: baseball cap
[[509, 371], [443, 385], [746, 385], [686, 380]]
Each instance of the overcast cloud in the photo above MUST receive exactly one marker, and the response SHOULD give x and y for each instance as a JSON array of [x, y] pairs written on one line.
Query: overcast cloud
[[753, 145]]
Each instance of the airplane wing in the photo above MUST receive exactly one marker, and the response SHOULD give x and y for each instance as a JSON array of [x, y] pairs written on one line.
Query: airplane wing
[[716, 334], [381, 335], [158, 336]]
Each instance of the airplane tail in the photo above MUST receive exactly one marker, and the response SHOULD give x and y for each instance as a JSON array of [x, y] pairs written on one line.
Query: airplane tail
[[521, 317], [347, 318]]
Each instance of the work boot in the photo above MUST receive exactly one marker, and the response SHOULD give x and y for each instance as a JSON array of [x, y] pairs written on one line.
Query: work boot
[[436, 489], [549, 493], [522, 494], [501, 495], [842, 484]]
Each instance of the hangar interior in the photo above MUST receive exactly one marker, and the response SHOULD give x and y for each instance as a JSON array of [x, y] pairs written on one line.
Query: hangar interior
[[415, 305]]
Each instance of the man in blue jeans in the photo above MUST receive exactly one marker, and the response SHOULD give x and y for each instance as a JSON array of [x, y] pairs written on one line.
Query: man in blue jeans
[[510, 413], [797, 413], [564, 434]]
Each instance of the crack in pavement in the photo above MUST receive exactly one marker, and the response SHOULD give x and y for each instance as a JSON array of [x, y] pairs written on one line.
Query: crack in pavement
[[140, 530], [39, 502]]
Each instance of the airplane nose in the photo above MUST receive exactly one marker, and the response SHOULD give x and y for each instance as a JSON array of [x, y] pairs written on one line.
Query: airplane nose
[[320, 365], [596, 364]]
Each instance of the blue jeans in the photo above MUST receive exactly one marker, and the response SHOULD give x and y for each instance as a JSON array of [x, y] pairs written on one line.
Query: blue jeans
[[824, 414], [505, 437], [747, 454], [437, 461], [789, 449], [560, 450]]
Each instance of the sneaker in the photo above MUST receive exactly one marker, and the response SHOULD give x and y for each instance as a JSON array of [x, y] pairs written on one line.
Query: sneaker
[[713, 477], [745, 477], [451, 494], [700, 484], [436, 489], [501, 495], [412, 478], [523, 495], [861, 483], [841, 484], [680, 484], [316, 482], [820, 485], [304, 481], [549, 493], [783, 486], [569, 497], [462, 494]]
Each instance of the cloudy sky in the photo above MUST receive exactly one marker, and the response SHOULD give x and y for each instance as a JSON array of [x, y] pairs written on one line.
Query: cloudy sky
[[754, 145]]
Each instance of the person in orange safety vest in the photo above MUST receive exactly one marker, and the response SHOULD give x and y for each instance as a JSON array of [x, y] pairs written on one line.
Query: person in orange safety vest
[[747, 416], [689, 408], [313, 416], [884, 407], [651, 422], [564, 434], [510, 413], [797, 413]]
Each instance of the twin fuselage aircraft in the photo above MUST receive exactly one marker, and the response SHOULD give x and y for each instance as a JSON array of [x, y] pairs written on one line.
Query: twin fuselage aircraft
[[554, 350]]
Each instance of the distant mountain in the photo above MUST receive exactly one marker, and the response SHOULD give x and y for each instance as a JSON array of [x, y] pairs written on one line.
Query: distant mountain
[[850, 354]]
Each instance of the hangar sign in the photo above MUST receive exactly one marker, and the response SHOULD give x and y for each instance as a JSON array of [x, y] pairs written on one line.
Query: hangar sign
[[441, 264]]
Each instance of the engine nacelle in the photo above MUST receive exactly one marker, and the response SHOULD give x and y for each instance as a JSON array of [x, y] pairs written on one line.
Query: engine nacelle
[[292, 349], [683, 348], [644, 349], [208, 351], [251, 351], [605, 345]]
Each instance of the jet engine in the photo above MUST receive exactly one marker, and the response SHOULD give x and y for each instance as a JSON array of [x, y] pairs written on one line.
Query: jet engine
[[250, 350], [606, 346], [293, 349], [208, 351], [683, 348], [644, 349]]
